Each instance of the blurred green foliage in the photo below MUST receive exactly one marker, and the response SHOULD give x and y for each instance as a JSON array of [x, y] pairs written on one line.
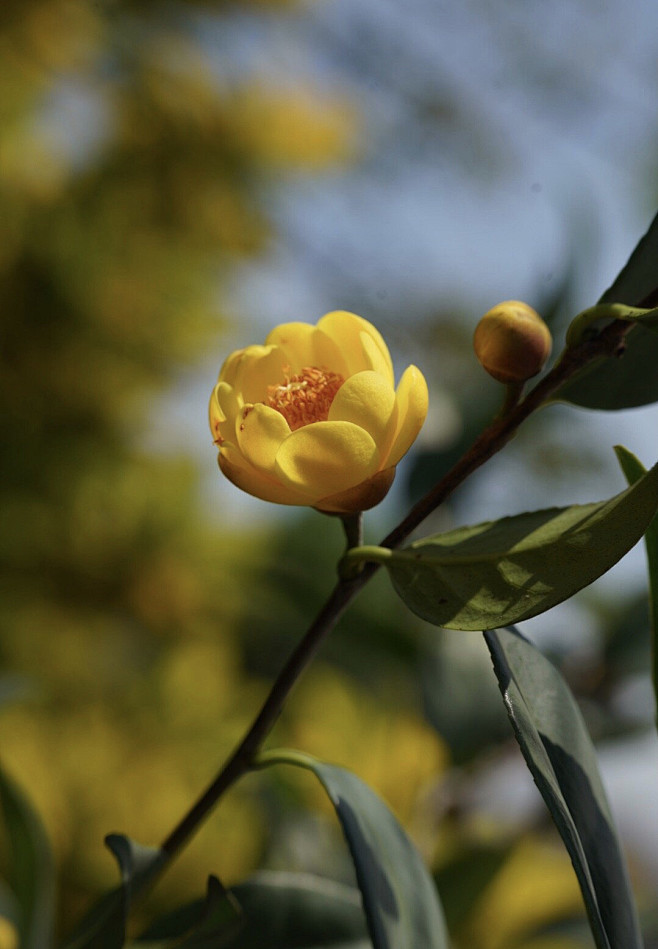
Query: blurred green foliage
[[127, 177], [134, 647]]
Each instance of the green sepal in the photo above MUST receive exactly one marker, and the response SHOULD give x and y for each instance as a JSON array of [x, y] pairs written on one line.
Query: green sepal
[[501, 572]]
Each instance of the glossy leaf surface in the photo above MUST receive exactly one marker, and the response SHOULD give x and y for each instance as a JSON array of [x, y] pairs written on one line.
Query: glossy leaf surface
[[500, 572], [559, 753], [400, 901]]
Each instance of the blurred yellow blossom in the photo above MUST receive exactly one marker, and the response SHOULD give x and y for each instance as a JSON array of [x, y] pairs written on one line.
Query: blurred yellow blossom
[[313, 418], [8, 934]]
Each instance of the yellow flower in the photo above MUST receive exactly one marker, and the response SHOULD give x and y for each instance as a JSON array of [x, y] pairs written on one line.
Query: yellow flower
[[313, 418]]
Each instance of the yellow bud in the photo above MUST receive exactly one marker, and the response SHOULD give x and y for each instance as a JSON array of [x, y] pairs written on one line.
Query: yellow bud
[[512, 342]]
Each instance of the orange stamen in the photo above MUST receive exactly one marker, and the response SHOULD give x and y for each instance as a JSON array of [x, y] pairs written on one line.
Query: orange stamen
[[306, 397]]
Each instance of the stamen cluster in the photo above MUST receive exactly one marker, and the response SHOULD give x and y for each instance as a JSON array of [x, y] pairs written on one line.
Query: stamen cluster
[[305, 397]]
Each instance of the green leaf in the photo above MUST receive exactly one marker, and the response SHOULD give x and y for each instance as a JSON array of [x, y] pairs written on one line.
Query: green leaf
[[561, 758], [400, 901], [104, 927], [637, 284], [500, 572], [634, 470], [632, 380], [612, 384], [31, 871], [273, 910]]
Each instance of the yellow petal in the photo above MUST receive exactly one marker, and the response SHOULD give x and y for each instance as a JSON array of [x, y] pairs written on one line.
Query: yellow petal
[[262, 366], [260, 434], [327, 354], [327, 457], [305, 345], [361, 498], [231, 366], [215, 414], [294, 339], [361, 344], [412, 400], [369, 401], [225, 407], [255, 483], [379, 361]]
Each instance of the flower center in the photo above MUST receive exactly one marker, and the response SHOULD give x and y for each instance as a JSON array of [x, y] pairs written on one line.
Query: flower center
[[306, 397]]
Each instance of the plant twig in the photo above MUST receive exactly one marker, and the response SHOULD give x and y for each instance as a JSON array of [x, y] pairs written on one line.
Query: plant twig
[[609, 342], [240, 761]]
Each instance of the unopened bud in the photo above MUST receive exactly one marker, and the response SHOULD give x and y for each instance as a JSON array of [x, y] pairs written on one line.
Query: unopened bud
[[512, 342]]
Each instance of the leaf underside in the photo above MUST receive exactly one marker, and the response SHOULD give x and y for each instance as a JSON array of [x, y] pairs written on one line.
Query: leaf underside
[[561, 758]]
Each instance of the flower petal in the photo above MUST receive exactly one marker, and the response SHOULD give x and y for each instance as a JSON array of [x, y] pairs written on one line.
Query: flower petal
[[215, 414], [255, 483], [379, 361], [294, 339], [327, 457], [230, 367], [305, 345], [224, 408], [361, 344], [261, 366], [369, 401], [360, 498], [412, 399], [260, 433]]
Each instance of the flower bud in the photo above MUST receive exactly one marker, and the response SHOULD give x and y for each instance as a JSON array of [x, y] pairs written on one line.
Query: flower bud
[[512, 342]]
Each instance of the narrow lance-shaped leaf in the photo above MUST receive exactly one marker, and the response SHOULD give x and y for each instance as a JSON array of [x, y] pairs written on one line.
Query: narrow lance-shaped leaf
[[272, 910], [561, 758], [400, 901], [501, 572], [632, 380], [104, 927], [31, 868], [634, 470]]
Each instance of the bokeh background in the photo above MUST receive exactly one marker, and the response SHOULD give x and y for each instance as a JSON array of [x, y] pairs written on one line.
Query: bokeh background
[[177, 177]]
